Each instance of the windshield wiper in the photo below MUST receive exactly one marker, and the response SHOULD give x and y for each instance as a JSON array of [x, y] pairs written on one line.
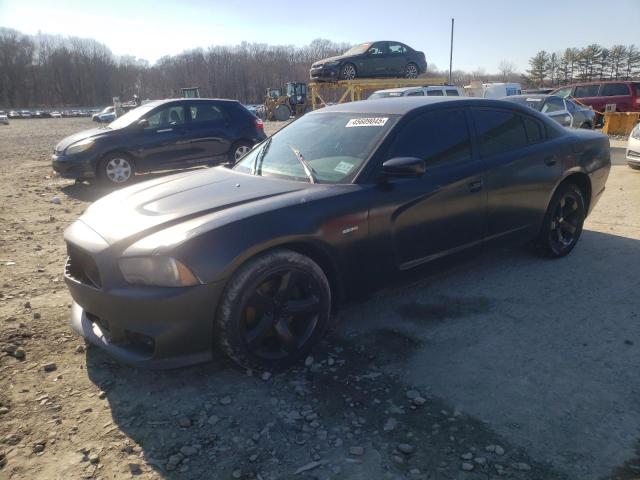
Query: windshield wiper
[[257, 161], [308, 169]]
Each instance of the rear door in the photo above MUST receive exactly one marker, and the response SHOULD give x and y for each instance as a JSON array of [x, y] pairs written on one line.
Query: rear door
[[396, 59], [617, 96], [162, 143], [420, 219], [555, 108], [522, 169], [209, 132]]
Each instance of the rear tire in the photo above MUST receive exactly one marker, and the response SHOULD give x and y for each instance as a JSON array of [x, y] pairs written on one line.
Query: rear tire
[[586, 125], [411, 70], [275, 308], [116, 169], [563, 222], [238, 150]]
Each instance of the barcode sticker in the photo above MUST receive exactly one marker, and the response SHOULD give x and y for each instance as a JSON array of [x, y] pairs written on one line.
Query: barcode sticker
[[367, 122]]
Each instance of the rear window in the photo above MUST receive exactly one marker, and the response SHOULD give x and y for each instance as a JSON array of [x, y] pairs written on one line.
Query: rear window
[[500, 131], [207, 113], [583, 91], [435, 93], [613, 89]]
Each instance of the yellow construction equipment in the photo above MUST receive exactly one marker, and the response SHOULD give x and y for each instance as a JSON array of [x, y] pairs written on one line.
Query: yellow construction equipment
[[352, 90], [279, 105]]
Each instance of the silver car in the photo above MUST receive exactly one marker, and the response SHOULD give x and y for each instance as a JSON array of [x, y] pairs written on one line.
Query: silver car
[[563, 110]]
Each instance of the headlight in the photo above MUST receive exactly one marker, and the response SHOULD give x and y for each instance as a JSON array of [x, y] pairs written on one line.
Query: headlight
[[635, 133], [157, 271], [80, 146], [332, 64]]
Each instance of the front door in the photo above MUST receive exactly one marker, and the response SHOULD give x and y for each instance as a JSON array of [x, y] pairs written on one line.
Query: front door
[[162, 141], [441, 212], [374, 62]]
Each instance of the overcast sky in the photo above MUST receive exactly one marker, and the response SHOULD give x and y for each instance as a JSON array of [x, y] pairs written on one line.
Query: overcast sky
[[486, 31]]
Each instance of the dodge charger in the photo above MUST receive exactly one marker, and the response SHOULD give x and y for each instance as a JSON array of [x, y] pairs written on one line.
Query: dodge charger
[[253, 259]]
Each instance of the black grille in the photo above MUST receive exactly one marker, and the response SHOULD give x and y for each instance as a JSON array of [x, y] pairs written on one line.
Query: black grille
[[82, 268]]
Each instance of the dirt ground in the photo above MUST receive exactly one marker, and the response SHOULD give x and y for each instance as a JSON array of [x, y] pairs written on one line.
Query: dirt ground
[[500, 365]]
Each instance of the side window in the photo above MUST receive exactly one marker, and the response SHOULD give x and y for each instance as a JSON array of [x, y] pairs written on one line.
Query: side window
[[534, 129], [417, 93], [166, 117], [553, 104], [436, 137], [570, 106], [397, 49], [613, 89], [377, 49], [435, 93], [499, 131], [583, 91], [452, 93], [207, 113]]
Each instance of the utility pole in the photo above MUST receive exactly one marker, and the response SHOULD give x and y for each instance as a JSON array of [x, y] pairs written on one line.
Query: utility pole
[[451, 52]]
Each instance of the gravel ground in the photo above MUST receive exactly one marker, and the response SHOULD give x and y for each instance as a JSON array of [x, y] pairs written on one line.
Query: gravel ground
[[497, 364]]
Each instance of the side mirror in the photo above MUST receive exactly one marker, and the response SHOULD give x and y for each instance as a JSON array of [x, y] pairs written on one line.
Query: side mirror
[[144, 123], [404, 167]]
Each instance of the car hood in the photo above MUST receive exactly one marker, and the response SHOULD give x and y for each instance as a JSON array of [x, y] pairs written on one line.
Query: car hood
[[145, 208], [331, 59], [76, 137]]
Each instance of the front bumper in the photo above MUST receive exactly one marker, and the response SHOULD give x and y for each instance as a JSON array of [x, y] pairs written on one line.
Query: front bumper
[[151, 327], [325, 73], [78, 165]]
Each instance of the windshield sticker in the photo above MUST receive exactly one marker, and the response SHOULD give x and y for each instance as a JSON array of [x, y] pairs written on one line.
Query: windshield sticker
[[344, 167], [367, 122]]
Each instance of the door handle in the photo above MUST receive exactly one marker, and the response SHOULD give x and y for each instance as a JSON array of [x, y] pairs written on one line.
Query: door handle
[[164, 130], [550, 160], [475, 186]]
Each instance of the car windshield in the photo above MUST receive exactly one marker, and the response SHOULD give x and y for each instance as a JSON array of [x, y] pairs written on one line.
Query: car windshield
[[333, 145], [358, 49], [132, 116], [532, 102]]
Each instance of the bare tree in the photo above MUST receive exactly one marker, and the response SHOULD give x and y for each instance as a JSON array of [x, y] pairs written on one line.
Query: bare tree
[[506, 69]]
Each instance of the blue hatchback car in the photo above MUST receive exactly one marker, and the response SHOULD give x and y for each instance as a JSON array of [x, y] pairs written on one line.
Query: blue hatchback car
[[160, 135]]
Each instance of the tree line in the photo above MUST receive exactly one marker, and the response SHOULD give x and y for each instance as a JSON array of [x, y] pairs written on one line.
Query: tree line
[[593, 62], [46, 70]]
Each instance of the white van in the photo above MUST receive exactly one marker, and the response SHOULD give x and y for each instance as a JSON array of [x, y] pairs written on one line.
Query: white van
[[428, 91], [492, 90]]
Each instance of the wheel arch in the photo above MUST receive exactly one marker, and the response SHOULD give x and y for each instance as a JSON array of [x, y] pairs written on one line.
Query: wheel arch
[[582, 181], [119, 151]]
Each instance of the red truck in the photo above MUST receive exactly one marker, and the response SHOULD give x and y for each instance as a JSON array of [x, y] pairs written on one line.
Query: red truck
[[619, 95]]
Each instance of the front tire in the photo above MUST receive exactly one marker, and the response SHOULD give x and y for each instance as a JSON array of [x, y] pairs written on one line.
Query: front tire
[[562, 223], [348, 72], [116, 169], [275, 308]]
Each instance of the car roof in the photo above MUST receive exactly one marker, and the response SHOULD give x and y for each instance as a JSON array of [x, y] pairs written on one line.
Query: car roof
[[404, 105], [406, 89]]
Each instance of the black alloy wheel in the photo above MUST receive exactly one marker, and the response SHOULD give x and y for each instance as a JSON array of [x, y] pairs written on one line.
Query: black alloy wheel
[[563, 222], [275, 308]]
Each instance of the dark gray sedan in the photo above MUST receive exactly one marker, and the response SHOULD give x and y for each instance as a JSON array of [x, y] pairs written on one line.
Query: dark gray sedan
[[373, 59], [253, 259], [563, 110]]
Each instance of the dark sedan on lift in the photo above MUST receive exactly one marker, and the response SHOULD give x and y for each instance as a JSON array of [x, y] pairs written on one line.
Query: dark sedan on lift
[[253, 259], [375, 59]]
